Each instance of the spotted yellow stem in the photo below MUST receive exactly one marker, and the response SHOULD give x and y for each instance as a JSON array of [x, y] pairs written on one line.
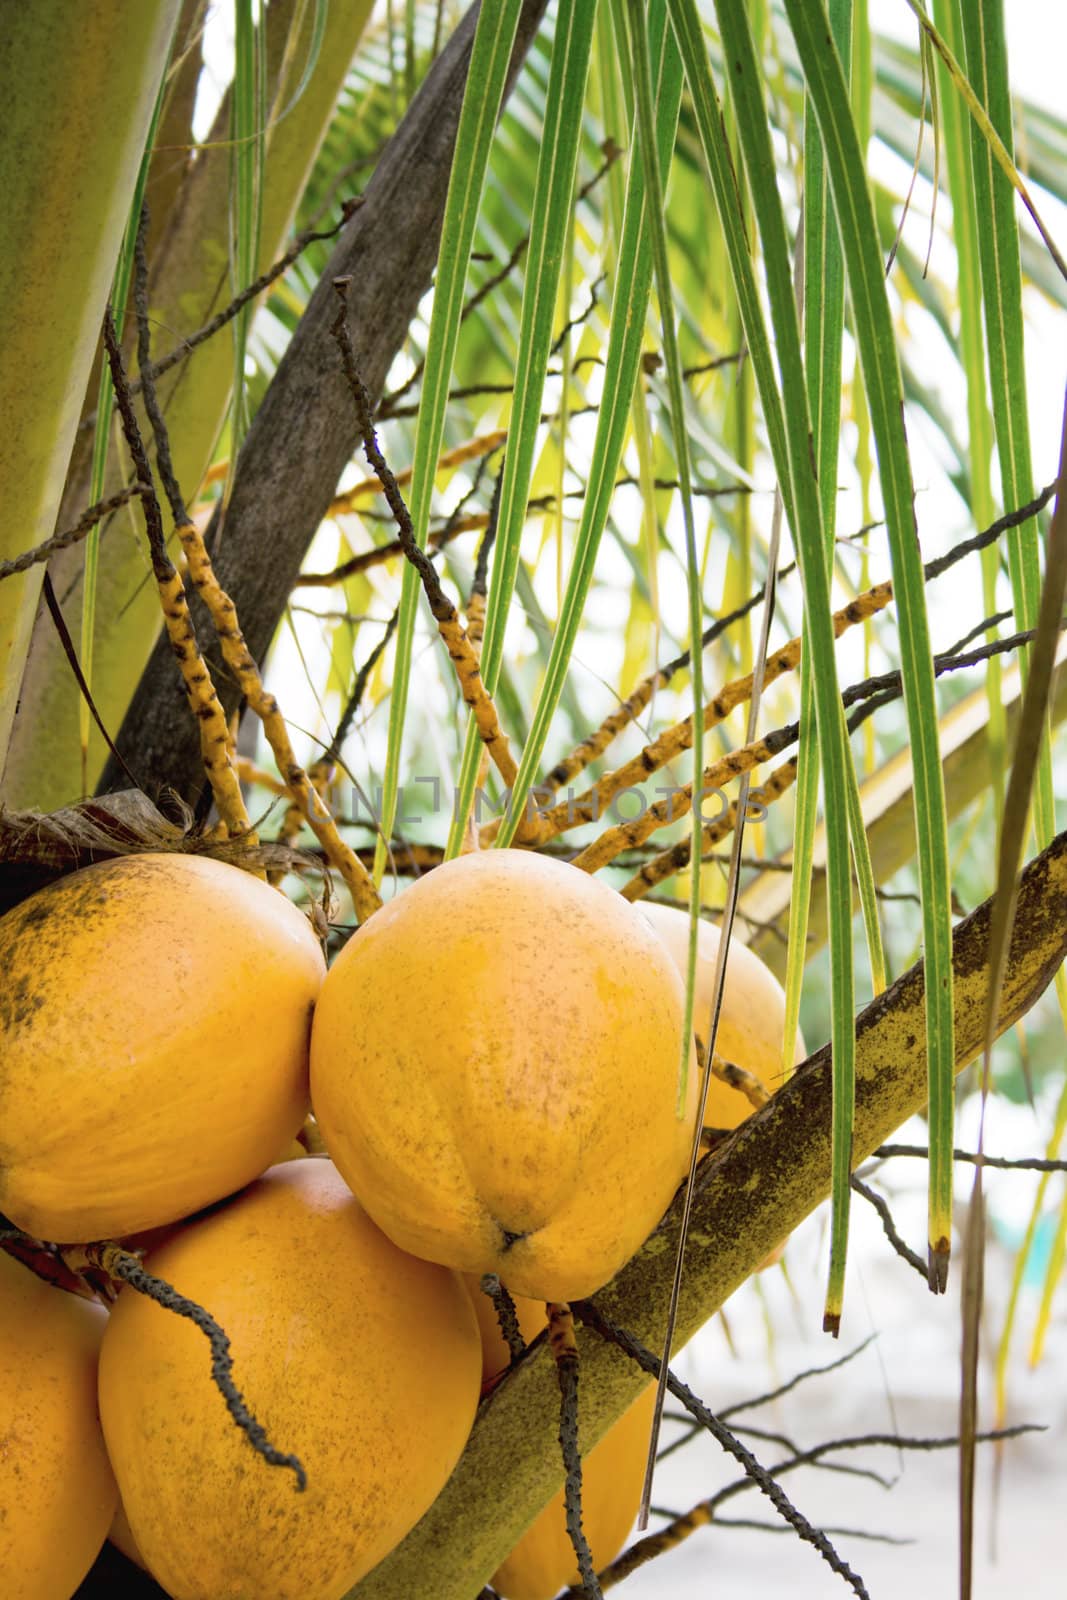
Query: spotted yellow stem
[[238, 658]]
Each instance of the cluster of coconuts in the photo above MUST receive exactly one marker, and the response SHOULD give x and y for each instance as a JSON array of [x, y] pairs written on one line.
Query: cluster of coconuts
[[492, 1062]]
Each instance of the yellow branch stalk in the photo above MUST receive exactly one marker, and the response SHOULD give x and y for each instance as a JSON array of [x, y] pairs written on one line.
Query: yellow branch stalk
[[572, 813], [238, 658], [677, 804], [205, 706], [677, 858]]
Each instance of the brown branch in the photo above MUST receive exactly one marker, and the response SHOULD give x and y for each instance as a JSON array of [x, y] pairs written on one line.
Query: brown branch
[[773, 1395], [881, 1205], [476, 449], [1002, 1163], [84, 525], [366, 559], [583, 316], [126, 1268], [441, 536], [703, 1514], [564, 1347], [506, 1314]]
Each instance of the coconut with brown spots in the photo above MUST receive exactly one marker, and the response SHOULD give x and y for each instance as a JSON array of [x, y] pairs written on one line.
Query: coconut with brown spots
[[495, 1069], [360, 1361], [751, 1029], [154, 1019], [57, 1490]]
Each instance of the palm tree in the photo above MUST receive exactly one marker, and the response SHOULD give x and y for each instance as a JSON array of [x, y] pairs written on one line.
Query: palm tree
[[726, 335]]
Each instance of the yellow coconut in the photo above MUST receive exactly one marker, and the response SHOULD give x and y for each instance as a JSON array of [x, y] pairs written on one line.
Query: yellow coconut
[[358, 1359], [542, 1563], [155, 1017], [751, 1027], [57, 1489], [494, 1067], [120, 1533], [752, 1020]]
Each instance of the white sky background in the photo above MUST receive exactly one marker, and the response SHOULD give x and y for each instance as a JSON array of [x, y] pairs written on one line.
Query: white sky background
[[909, 1378]]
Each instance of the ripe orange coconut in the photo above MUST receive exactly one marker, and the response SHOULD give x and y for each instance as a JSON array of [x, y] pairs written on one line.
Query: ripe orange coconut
[[155, 1014], [57, 1489], [752, 1020], [360, 1360], [751, 1027], [542, 1563], [494, 1067]]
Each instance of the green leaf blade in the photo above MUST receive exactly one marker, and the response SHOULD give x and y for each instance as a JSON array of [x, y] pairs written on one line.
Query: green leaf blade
[[881, 373]]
